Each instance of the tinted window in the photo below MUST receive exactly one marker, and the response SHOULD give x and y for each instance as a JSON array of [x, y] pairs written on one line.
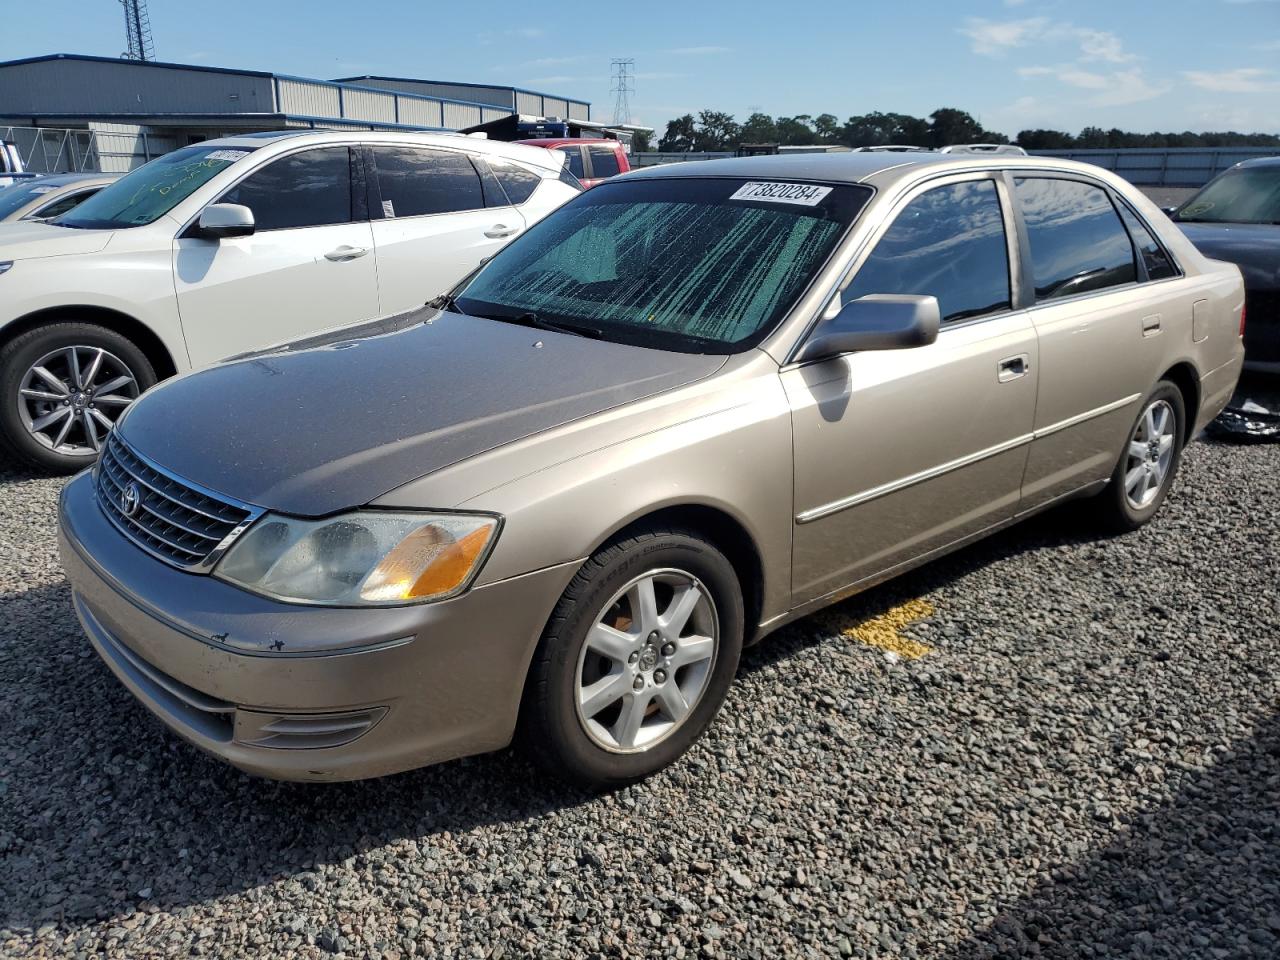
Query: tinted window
[[1154, 258], [518, 182], [415, 182], [575, 160], [59, 207], [604, 162], [307, 189], [678, 264], [948, 243], [1077, 241]]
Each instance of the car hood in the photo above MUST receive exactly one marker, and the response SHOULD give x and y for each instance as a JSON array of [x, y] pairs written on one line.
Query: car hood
[[27, 239], [1253, 247], [338, 424]]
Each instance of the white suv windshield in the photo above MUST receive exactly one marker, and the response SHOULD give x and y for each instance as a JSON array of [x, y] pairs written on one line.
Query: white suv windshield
[[152, 190], [701, 265]]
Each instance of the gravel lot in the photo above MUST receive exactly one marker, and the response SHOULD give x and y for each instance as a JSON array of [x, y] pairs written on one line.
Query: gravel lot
[[1085, 764]]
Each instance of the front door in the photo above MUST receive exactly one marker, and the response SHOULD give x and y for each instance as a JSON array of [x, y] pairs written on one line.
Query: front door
[[308, 267], [900, 452]]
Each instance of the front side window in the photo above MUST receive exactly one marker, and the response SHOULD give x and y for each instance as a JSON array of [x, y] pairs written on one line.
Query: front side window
[[1157, 262], [700, 265], [416, 182], [948, 243], [154, 189], [1241, 195], [307, 189], [1078, 243], [604, 162]]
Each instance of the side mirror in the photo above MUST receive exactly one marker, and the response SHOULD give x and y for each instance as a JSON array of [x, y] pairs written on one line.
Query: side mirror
[[881, 321], [220, 220], [1168, 211]]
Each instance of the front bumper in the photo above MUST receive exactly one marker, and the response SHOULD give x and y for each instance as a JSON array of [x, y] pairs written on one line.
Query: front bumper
[[230, 671]]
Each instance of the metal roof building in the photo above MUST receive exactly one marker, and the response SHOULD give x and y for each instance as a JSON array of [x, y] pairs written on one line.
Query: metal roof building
[[135, 110]]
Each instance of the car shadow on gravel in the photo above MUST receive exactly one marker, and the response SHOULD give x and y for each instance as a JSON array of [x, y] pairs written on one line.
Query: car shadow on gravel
[[1196, 877]]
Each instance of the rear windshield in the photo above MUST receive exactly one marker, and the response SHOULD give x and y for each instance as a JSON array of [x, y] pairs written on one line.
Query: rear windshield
[[152, 190], [702, 265], [22, 193], [1244, 195]]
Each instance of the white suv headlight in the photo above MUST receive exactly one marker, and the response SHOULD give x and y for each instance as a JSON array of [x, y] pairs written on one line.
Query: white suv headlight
[[364, 558]]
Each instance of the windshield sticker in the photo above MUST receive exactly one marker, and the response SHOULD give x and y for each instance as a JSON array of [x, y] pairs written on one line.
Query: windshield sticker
[[388, 209], [229, 155], [804, 194], [43, 189]]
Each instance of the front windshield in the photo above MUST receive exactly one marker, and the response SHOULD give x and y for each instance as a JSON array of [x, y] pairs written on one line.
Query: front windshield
[[1245, 195], [20, 194], [152, 190], [700, 265]]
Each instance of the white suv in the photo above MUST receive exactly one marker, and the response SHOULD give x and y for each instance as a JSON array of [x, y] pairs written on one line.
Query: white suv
[[237, 244]]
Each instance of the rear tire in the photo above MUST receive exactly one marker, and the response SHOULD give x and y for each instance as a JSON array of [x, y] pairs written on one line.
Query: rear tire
[[635, 661], [62, 387], [1147, 464]]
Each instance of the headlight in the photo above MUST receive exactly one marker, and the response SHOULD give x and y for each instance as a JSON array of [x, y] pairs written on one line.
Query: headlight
[[365, 558]]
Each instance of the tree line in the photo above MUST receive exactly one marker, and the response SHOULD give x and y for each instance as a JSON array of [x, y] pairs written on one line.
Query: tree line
[[712, 130]]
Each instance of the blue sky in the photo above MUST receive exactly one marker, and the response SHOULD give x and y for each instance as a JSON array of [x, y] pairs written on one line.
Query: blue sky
[[1134, 64]]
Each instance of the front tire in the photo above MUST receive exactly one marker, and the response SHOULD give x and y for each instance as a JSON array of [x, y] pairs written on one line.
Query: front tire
[[62, 387], [1147, 465], [636, 660]]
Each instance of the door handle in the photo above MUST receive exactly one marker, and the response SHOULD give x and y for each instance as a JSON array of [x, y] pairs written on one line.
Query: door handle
[[344, 253], [1013, 368], [500, 230], [1151, 325]]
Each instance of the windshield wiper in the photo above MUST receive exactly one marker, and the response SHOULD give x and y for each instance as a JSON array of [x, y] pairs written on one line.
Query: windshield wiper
[[446, 301], [531, 319]]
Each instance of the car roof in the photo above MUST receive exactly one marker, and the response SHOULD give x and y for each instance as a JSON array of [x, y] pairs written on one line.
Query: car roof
[[880, 169], [562, 141], [1261, 162], [514, 151]]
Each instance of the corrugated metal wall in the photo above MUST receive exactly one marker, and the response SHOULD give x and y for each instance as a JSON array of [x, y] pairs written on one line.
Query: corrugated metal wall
[[497, 96], [552, 107], [367, 105], [70, 86], [579, 111], [422, 113], [459, 115], [529, 103], [308, 99]]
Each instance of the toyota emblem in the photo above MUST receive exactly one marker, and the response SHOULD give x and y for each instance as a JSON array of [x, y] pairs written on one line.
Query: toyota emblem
[[130, 497]]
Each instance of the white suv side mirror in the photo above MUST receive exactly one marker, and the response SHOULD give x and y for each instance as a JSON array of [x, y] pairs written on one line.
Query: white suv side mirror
[[220, 220]]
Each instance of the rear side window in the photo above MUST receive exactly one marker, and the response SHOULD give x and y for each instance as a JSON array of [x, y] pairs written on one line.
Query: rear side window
[[307, 189], [415, 182], [1158, 264], [1078, 243], [517, 181], [575, 161], [604, 162], [948, 243]]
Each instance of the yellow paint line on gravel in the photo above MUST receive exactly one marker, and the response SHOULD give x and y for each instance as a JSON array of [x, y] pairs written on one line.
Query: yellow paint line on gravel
[[882, 633]]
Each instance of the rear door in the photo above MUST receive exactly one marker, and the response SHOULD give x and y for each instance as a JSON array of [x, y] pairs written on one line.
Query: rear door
[[1103, 313], [306, 268], [431, 224]]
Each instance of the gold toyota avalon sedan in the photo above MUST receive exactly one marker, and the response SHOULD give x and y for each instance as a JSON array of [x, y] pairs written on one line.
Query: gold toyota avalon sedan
[[691, 405]]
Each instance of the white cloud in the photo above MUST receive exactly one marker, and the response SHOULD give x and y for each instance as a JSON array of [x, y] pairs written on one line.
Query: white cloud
[[995, 37], [1116, 88], [1240, 80], [1101, 45]]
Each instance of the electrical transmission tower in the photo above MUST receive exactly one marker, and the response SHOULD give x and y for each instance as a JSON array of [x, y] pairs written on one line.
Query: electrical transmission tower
[[137, 27], [623, 78]]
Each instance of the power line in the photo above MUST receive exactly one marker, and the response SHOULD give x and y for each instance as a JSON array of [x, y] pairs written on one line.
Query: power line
[[137, 28], [623, 86]]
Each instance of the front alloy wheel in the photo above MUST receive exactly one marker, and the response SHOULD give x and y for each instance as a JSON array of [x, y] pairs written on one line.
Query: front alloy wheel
[[71, 397], [636, 659]]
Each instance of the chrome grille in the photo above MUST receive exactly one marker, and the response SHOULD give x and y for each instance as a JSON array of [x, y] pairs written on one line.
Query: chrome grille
[[167, 517]]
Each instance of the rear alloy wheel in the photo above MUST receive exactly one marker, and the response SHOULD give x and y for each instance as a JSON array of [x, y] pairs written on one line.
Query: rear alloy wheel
[[1148, 463], [65, 387], [636, 660]]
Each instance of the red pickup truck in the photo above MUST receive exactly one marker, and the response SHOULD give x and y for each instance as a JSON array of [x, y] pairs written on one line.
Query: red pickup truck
[[590, 160]]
